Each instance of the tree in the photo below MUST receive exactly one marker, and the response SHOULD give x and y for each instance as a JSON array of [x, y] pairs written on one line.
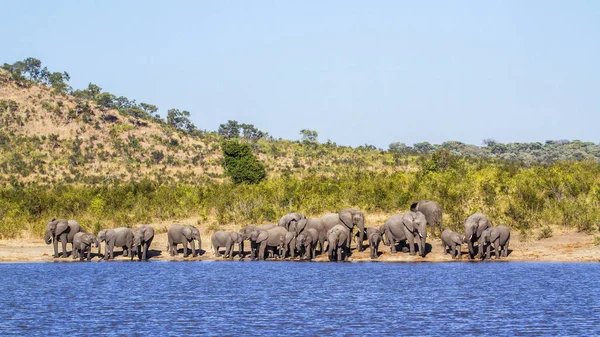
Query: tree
[[149, 108], [399, 148], [309, 136], [180, 120], [230, 130], [240, 164], [423, 147]]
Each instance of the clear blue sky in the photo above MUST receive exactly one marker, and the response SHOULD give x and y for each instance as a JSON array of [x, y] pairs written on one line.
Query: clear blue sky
[[357, 72]]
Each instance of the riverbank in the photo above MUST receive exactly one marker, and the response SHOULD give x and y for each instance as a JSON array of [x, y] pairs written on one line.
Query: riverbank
[[565, 246]]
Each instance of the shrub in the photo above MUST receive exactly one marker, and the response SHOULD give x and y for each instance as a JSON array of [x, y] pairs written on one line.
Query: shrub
[[240, 164], [545, 232]]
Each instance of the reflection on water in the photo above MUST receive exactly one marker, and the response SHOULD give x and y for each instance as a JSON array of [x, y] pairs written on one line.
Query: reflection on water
[[261, 298]]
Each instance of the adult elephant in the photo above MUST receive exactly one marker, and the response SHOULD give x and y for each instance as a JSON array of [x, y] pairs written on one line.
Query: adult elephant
[[142, 239], [410, 226], [179, 234], [474, 226], [82, 244], [61, 230], [227, 240], [337, 237], [118, 237], [432, 212], [290, 219], [351, 217], [266, 238], [246, 231]]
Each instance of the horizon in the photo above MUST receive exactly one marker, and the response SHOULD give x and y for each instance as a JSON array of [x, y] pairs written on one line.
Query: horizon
[[375, 68]]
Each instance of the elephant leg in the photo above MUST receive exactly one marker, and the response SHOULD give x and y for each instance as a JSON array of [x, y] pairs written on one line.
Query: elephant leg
[[193, 244], [505, 250], [185, 248], [496, 249], [261, 251], [217, 253], [89, 254], [411, 245], [63, 241]]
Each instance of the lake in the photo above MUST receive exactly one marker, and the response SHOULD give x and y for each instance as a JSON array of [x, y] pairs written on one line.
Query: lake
[[294, 298]]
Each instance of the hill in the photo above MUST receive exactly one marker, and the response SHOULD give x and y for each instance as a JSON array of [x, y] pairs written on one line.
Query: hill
[[109, 161]]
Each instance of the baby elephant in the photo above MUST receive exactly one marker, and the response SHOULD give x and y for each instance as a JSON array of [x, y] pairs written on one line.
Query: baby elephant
[[227, 240], [287, 244], [307, 242], [452, 240], [82, 244], [498, 236], [374, 237]]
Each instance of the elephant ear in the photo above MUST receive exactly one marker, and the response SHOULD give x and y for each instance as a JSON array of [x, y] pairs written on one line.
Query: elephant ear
[[187, 232], [301, 225], [262, 236], [148, 233], [110, 234], [408, 222], [346, 218], [235, 237], [61, 227], [413, 206], [494, 235]]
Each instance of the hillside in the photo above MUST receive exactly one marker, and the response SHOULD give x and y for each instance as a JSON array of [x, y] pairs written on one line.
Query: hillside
[[108, 161], [51, 137]]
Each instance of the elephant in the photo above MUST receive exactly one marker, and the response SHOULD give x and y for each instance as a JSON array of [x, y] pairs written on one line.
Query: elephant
[[61, 230], [474, 226], [337, 237], [322, 225], [266, 238], [118, 237], [374, 238], [307, 242], [183, 234], [246, 231], [350, 218], [227, 240], [142, 239], [454, 241], [288, 244], [406, 227], [82, 244], [499, 236], [290, 219], [432, 212]]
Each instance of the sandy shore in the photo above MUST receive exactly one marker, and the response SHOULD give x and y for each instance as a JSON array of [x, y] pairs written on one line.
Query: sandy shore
[[566, 246]]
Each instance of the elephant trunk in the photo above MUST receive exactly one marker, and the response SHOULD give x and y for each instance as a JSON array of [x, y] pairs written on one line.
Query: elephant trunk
[[48, 237], [422, 246], [361, 231]]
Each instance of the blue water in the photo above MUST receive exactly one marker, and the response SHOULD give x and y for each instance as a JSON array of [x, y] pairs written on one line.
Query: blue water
[[287, 298]]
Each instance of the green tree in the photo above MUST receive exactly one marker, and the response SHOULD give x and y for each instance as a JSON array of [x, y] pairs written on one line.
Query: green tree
[[309, 136], [180, 120], [240, 164], [229, 130]]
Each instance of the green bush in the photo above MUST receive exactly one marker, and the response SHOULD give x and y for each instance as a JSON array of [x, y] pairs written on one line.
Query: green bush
[[240, 164]]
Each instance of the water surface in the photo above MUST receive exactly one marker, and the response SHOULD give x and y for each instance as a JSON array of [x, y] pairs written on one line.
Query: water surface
[[266, 298]]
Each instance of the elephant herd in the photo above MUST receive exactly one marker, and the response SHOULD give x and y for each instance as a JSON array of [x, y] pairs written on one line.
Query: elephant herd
[[297, 236]]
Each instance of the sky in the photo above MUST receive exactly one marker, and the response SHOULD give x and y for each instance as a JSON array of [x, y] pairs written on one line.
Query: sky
[[357, 72]]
